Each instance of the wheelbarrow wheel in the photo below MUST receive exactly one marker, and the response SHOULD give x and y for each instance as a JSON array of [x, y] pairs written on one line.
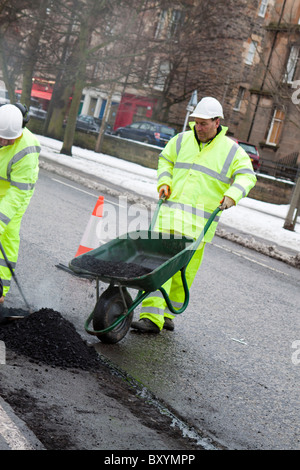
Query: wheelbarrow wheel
[[108, 309]]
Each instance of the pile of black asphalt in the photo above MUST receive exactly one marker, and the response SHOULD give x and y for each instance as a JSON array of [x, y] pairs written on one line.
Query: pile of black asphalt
[[45, 336], [109, 269]]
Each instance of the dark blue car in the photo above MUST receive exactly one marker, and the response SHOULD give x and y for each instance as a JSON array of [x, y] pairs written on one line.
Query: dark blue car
[[147, 132]]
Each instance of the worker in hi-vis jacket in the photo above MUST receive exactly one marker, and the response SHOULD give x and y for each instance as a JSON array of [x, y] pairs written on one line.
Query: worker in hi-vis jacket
[[198, 170], [19, 154]]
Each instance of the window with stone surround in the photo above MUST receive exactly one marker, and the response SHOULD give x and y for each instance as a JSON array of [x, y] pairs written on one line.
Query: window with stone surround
[[263, 8], [239, 98], [291, 64], [168, 23], [160, 24], [162, 75], [175, 19], [275, 129], [251, 53]]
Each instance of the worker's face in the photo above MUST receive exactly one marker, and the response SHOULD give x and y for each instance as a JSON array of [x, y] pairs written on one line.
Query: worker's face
[[5, 142], [206, 128]]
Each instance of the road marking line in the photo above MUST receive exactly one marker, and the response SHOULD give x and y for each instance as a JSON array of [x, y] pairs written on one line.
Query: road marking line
[[2, 353], [250, 259], [11, 434], [83, 191], [74, 187], [239, 340]]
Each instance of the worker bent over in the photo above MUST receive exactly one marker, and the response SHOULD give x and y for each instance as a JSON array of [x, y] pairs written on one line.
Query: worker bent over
[[19, 155], [197, 170]]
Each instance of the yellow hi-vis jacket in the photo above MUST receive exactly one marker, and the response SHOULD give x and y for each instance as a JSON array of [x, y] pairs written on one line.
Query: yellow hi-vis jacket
[[18, 175], [199, 177]]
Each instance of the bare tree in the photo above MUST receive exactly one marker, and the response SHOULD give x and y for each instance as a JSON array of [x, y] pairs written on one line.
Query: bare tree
[[200, 48], [106, 40], [161, 48], [11, 13], [31, 49], [64, 64]]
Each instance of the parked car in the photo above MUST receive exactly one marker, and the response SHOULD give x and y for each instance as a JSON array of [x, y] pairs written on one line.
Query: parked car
[[147, 132], [4, 99], [252, 151], [87, 123], [108, 128], [37, 113]]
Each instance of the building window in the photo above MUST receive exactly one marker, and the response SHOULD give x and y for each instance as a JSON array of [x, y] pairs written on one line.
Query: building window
[[162, 75], [251, 53], [239, 98], [263, 8], [174, 22], [141, 112], [291, 64], [160, 24], [275, 127]]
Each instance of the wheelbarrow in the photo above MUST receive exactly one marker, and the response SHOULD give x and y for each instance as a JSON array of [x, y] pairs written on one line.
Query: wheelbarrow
[[157, 257]]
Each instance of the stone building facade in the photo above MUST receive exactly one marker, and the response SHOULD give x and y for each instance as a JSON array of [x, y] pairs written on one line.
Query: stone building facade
[[243, 52], [269, 112]]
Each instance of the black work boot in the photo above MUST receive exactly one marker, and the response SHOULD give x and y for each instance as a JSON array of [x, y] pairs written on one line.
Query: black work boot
[[144, 325], [169, 324]]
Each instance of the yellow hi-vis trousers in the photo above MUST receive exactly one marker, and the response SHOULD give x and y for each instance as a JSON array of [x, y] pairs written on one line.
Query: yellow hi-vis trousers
[[154, 307], [10, 240]]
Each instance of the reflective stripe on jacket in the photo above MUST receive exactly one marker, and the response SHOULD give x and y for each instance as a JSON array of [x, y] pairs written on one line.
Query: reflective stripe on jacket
[[199, 177], [18, 175]]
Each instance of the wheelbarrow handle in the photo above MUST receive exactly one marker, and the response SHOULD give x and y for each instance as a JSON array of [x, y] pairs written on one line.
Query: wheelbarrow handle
[[172, 309], [193, 247], [154, 218], [206, 227]]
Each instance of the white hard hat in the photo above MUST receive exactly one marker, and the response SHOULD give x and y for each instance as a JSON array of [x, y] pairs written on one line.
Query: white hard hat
[[208, 108], [11, 122]]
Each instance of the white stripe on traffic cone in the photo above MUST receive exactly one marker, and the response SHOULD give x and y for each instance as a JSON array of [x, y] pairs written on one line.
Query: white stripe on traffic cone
[[90, 239]]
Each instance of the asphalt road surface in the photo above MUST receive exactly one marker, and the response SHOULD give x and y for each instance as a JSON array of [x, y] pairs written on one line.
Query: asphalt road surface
[[228, 375]]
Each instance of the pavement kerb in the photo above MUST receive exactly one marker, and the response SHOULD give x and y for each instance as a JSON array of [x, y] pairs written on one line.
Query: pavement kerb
[[14, 434]]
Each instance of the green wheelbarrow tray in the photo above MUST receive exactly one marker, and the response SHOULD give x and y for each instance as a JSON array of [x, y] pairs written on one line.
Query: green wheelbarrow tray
[[163, 254]]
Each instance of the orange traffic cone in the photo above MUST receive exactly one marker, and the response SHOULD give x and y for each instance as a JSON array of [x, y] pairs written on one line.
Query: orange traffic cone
[[90, 239]]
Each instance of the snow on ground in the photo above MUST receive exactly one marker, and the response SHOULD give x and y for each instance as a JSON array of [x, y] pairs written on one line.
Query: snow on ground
[[253, 217]]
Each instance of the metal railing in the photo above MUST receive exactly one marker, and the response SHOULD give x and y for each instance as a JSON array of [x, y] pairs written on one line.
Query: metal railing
[[280, 169]]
